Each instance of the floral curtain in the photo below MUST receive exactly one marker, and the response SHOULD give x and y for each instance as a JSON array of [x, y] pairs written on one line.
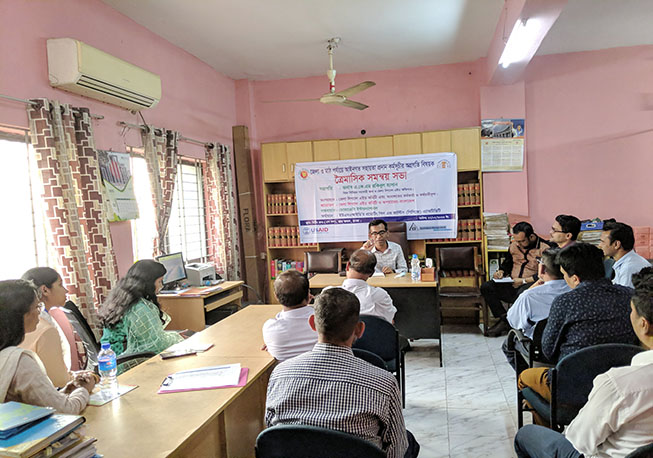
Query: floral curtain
[[162, 158], [221, 211], [62, 137]]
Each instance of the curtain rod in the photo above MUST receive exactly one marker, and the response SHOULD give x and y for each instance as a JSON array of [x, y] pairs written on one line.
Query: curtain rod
[[29, 102], [181, 137]]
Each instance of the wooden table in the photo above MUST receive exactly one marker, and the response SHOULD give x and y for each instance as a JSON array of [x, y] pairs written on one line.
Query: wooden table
[[188, 312], [209, 423], [418, 304]]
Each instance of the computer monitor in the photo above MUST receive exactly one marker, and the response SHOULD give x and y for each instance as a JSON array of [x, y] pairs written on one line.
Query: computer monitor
[[175, 268]]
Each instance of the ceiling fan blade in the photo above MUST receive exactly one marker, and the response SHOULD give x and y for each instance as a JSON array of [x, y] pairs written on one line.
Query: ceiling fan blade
[[351, 104], [356, 89], [292, 100]]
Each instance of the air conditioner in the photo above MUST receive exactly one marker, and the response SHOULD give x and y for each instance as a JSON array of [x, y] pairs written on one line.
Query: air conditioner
[[77, 67]]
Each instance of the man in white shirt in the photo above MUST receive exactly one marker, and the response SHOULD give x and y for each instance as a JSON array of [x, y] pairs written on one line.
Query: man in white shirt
[[373, 301], [534, 304], [389, 255], [618, 416], [617, 241], [289, 334]]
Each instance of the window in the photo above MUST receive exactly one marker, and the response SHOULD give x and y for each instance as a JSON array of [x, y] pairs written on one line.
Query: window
[[187, 225], [143, 228], [23, 234]]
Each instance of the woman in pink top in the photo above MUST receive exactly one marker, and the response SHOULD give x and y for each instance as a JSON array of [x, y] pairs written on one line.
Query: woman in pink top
[[22, 376]]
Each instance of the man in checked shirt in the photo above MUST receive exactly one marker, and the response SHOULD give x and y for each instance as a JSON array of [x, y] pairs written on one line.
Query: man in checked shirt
[[330, 388]]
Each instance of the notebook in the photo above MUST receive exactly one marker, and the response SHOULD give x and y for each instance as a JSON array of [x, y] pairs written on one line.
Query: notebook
[[16, 416], [39, 436]]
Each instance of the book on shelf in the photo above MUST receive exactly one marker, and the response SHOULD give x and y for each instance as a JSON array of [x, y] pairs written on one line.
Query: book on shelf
[[469, 194], [280, 265], [16, 417], [281, 204], [39, 436]]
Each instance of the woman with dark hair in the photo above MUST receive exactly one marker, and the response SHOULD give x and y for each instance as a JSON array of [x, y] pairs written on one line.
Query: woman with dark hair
[[22, 376], [48, 340], [131, 316]]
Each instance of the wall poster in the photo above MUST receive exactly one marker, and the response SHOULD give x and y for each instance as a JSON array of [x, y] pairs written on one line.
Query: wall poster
[[117, 178], [502, 145], [337, 199]]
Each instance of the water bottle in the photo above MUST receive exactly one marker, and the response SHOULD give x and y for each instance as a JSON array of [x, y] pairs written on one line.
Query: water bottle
[[108, 368], [415, 269]]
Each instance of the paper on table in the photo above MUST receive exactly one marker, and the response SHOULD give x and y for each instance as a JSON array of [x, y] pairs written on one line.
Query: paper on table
[[102, 397], [503, 280], [202, 379], [378, 273]]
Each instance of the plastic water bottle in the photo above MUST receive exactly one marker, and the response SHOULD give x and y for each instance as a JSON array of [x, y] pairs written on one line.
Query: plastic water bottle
[[108, 368], [415, 269]]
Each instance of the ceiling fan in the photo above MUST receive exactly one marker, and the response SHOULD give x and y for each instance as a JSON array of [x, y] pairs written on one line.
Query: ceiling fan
[[341, 97]]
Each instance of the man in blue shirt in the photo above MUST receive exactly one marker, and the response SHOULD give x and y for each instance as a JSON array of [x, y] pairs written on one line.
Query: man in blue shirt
[[617, 241], [594, 312], [533, 305]]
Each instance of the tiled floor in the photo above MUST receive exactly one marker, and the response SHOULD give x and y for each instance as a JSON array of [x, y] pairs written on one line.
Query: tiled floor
[[467, 408]]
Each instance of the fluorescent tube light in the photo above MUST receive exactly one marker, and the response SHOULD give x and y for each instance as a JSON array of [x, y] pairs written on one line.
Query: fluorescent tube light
[[522, 40]]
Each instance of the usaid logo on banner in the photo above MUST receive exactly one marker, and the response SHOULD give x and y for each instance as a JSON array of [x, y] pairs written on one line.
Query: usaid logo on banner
[[303, 174], [444, 164], [313, 230]]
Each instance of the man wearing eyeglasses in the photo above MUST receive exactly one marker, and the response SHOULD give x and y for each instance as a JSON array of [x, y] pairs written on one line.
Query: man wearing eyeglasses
[[565, 230], [389, 255], [521, 266]]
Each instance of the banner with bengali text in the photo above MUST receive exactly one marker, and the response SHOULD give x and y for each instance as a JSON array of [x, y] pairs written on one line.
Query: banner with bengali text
[[337, 199]]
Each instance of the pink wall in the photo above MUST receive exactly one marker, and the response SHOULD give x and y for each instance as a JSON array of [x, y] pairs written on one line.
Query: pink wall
[[505, 191], [197, 101], [408, 100], [590, 134]]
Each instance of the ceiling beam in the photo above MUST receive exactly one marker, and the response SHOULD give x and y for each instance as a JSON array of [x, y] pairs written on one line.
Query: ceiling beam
[[545, 12]]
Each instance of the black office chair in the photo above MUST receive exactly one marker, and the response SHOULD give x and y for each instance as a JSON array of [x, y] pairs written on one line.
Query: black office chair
[[301, 441], [328, 261], [572, 380], [382, 338], [370, 357], [646, 451], [397, 234]]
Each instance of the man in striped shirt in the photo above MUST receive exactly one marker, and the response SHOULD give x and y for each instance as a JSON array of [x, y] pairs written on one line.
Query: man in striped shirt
[[330, 388]]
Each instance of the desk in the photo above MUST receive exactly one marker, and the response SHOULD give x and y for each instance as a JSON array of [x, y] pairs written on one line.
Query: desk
[[418, 304], [189, 312], [210, 423]]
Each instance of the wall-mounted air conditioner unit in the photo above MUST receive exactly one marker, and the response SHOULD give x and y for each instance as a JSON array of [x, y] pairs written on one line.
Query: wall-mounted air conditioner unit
[[77, 67]]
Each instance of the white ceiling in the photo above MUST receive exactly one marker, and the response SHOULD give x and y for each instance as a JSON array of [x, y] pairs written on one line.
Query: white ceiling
[[273, 39]]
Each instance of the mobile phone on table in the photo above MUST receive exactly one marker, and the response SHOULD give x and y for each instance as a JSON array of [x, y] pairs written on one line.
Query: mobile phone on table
[[177, 353]]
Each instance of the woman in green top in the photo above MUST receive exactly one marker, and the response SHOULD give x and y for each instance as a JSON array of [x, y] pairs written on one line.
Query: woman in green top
[[131, 316]]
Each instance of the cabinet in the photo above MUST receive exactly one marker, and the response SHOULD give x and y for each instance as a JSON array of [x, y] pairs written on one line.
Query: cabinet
[[406, 144], [378, 146], [326, 150], [281, 222], [279, 159], [353, 148]]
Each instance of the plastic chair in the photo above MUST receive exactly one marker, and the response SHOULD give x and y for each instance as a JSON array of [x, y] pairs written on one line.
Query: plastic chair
[[370, 357], [382, 339], [646, 451], [300, 441], [572, 380], [463, 258]]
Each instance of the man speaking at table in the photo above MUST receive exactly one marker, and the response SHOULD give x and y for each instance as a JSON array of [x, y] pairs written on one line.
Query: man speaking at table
[[389, 255]]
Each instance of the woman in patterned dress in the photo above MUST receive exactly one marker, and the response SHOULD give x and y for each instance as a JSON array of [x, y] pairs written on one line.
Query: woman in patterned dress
[[132, 317]]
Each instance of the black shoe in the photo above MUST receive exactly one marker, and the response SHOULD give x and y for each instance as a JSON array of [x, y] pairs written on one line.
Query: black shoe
[[498, 328]]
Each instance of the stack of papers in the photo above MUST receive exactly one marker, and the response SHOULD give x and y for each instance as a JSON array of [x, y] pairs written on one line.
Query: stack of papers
[[497, 230]]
